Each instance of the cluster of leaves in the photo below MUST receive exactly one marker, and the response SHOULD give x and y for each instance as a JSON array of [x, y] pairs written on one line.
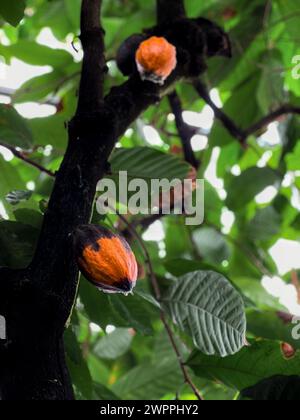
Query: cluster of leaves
[[135, 360]]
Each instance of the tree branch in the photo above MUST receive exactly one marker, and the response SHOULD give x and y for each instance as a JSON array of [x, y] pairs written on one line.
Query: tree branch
[[273, 116], [227, 122], [185, 131], [94, 67], [242, 134], [24, 158], [170, 10]]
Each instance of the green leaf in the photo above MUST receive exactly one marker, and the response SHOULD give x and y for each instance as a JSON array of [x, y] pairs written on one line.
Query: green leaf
[[29, 217], [135, 312], [97, 306], [255, 292], [120, 311], [38, 88], [261, 360], [272, 325], [145, 163], [179, 266], [49, 131], [211, 245], [114, 345], [101, 392], [270, 92], [242, 189], [277, 388], [264, 225], [293, 159], [9, 180], [36, 54], [149, 381], [12, 10], [14, 129], [213, 205], [17, 243], [210, 310], [80, 374]]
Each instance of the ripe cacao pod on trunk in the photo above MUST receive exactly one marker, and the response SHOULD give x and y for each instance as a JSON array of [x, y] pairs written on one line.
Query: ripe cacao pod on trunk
[[156, 59], [105, 259]]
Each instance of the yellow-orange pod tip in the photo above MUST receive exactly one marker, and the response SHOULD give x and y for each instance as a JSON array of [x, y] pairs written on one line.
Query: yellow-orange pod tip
[[156, 58], [105, 259]]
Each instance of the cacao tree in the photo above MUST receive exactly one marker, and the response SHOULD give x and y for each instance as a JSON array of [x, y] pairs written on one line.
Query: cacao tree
[[166, 90]]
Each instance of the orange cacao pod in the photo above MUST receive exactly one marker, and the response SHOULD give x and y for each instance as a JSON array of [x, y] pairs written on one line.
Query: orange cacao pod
[[156, 58], [105, 259]]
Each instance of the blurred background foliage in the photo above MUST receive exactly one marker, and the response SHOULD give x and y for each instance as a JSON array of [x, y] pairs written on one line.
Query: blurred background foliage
[[116, 346]]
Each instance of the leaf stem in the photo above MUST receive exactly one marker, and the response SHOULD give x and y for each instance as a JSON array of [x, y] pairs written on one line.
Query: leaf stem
[[22, 156]]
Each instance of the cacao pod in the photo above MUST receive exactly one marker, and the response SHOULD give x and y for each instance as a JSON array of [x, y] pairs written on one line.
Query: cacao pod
[[105, 259], [156, 58]]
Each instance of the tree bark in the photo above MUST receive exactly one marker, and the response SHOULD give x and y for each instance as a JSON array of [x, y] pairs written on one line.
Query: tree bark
[[37, 302], [170, 10]]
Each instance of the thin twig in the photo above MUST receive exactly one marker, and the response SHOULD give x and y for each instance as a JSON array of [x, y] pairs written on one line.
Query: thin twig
[[228, 123], [158, 296], [184, 130], [239, 133], [24, 158], [273, 116]]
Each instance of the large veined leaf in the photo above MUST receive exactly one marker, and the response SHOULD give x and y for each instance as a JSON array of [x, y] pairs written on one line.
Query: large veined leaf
[[261, 360], [12, 10], [144, 166], [206, 306], [13, 128], [277, 388], [147, 163]]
